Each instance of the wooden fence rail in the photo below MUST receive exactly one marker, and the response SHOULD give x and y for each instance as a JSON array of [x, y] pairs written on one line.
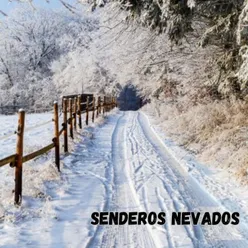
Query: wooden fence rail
[[74, 105]]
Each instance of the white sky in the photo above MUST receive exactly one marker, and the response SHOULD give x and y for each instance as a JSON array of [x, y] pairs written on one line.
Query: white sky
[[6, 5]]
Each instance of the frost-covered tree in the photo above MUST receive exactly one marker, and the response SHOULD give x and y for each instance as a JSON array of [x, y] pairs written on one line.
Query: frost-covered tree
[[213, 24], [29, 42]]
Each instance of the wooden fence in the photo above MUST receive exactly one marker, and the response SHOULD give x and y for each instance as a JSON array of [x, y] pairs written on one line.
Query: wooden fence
[[12, 109], [73, 107]]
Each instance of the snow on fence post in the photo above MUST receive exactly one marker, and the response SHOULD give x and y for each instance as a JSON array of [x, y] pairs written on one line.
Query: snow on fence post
[[65, 125], [75, 113], [79, 112], [93, 113], [19, 155], [56, 135], [87, 111], [70, 118]]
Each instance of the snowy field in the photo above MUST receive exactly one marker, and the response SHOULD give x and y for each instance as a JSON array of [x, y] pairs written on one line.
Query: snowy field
[[39, 130], [122, 163]]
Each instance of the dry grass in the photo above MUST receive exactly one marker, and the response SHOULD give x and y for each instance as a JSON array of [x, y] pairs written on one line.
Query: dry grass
[[216, 132]]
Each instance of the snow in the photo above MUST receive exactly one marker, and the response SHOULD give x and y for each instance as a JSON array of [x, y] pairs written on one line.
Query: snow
[[122, 163], [38, 132]]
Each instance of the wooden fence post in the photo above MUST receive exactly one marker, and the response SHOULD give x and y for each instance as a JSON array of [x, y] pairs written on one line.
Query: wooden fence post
[[65, 125], [70, 118], [79, 112], [75, 113], [19, 155], [113, 102], [56, 135], [93, 113], [62, 104], [107, 104], [104, 103], [87, 111], [98, 106]]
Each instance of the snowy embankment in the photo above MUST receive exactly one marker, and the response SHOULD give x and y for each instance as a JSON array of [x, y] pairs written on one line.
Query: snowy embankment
[[123, 165]]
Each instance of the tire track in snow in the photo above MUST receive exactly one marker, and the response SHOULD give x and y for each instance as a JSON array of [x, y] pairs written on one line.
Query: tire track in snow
[[163, 207], [124, 198], [170, 184], [109, 174], [143, 176], [196, 197], [146, 151]]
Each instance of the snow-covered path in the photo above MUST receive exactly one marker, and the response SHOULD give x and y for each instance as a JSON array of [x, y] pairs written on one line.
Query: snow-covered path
[[123, 167]]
